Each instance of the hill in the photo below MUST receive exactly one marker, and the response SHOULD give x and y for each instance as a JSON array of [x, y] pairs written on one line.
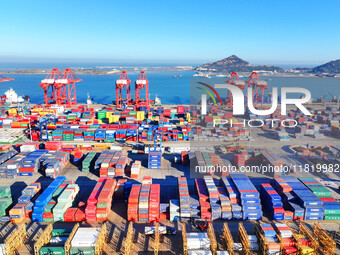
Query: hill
[[330, 67], [235, 64]]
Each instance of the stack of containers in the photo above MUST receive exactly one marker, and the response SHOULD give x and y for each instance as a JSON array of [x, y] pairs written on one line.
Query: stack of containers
[[143, 205], [120, 189], [84, 241], [286, 234], [49, 208], [65, 201], [10, 168], [5, 199], [305, 198], [214, 197], [184, 200], [283, 188], [272, 202], [250, 197], [269, 233], [107, 164], [226, 213], [203, 196], [198, 243], [292, 208], [154, 203], [135, 169], [99, 135], [234, 197], [90, 211], [31, 163], [132, 211], [155, 158], [174, 209], [99, 161], [54, 162], [331, 206], [53, 146], [194, 208], [45, 198], [7, 155], [88, 162], [104, 202], [75, 214], [78, 155], [120, 166], [29, 147], [24, 208]]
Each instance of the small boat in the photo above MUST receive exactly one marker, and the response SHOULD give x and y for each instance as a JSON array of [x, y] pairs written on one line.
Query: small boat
[[177, 76], [158, 101], [89, 100]]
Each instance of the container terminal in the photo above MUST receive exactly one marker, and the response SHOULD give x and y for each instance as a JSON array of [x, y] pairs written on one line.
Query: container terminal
[[136, 177]]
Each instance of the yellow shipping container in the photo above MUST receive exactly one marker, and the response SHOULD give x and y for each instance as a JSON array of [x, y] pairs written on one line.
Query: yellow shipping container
[[13, 111], [36, 110], [140, 115], [114, 118], [109, 114], [188, 117], [306, 250]]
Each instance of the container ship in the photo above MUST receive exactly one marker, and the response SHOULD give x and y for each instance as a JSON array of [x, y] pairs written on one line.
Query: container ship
[[140, 177]]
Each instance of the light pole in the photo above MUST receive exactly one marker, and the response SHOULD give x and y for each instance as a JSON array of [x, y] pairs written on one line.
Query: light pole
[[29, 124]]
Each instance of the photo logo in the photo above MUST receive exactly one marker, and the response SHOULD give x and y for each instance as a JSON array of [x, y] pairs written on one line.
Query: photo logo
[[238, 104]]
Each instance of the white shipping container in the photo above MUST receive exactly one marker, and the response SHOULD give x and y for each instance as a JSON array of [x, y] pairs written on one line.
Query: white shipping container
[[202, 252], [2, 249], [85, 237], [198, 241], [27, 148]]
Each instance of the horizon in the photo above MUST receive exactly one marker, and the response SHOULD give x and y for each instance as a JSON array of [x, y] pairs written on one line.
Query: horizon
[[176, 32]]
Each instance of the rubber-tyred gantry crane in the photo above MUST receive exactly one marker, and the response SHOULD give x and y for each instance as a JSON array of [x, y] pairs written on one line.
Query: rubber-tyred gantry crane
[[65, 88], [234, 80], [120, 84], [140, 84], [259, 86], [48, 86]]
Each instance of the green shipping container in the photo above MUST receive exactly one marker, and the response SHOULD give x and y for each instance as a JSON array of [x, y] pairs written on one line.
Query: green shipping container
[[52, 250], [82, 251], [333, 217], [62, 232], [5, 191]]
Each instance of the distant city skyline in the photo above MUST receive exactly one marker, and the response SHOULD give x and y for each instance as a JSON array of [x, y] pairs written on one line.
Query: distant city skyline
[[284, 33]]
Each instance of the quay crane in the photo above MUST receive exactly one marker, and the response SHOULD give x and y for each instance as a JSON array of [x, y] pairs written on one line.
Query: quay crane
[[4, 78], [140, 84], [234, 80], [48, 86], [259, 86], [120, 84], [65, 88]]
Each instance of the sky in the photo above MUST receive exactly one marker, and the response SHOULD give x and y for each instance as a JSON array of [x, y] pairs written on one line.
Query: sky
[[285, 32]]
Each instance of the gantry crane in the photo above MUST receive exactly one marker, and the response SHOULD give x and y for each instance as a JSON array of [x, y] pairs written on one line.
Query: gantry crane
[[48, 86], [65, 88], [234, 80], [4, 78], [120, 84], [140, 84], [259, 86]]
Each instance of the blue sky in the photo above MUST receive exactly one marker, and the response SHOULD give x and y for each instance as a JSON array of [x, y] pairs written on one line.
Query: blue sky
[[170, 31]]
